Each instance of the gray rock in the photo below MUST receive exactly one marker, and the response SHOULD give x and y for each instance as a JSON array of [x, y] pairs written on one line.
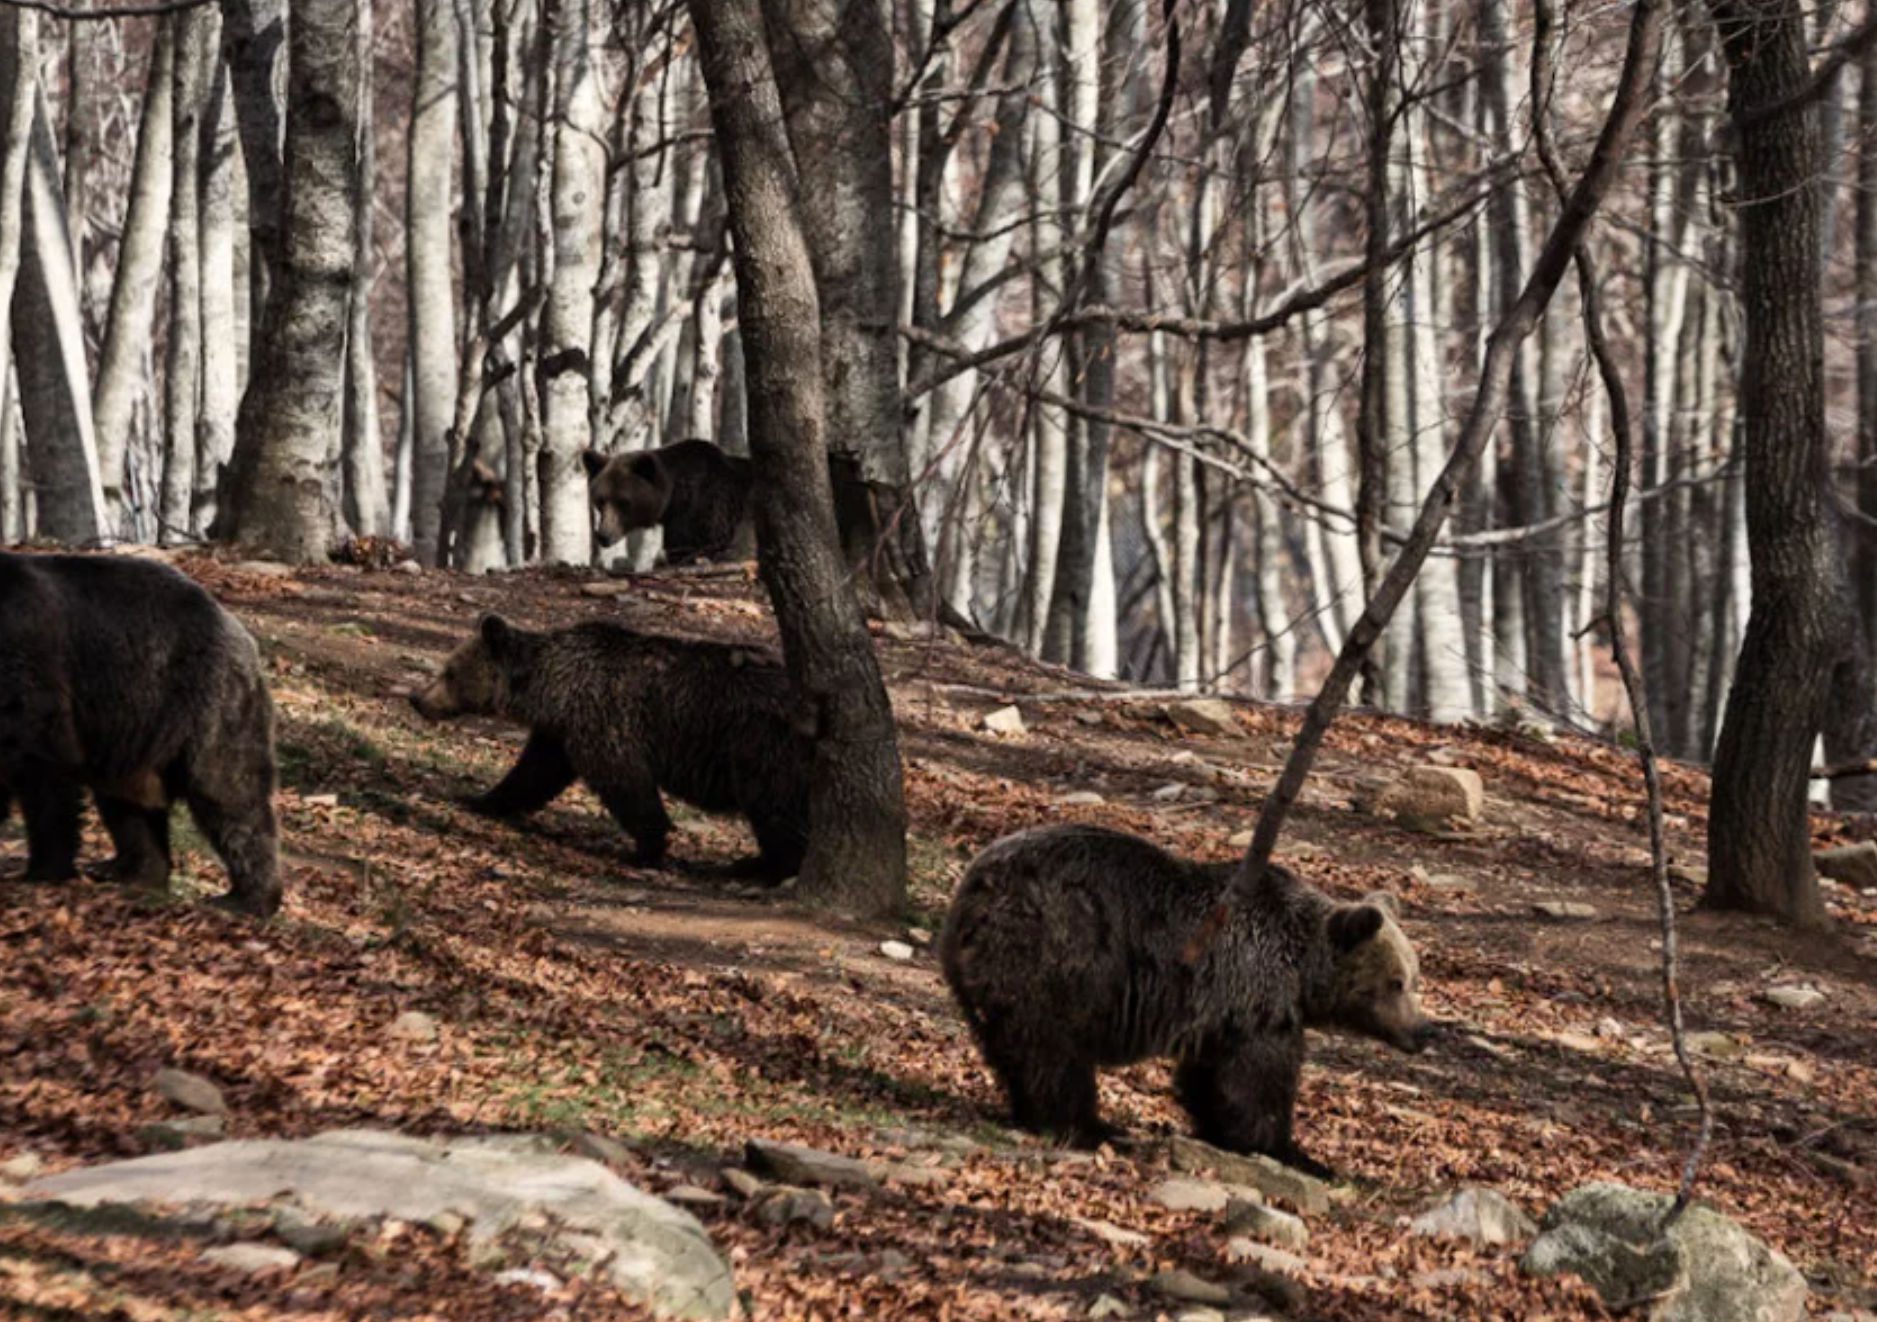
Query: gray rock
[[263, 568], [1110, 1233], [1213, 716], [1107, 1306], [170, 1135], [1706, 1269], [919, 936], [651, 1250], [254, 1259], [309, 1237], [1244, 1216], [414, 1026], [691, 1195], [897, 950], [1270, 1178], [1179, 1195], [600, 1148], [1183, 1287], [1570, 909], [787, 1206], [1199, 1315], [1430, 796], [192, 1092], [1719, 1046], [544, 1281], [1005, 720], [1854, 865], [1080, 799], [798, 1165], [1484, 1216], [410, 567], [21, 1168], [742, 1183], [1792, 998], [1271, 1259]]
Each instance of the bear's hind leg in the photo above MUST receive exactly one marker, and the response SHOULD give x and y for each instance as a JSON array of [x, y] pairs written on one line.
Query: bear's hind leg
[[1049, 1091], [634, 803], [227, 779], [539, 776], [141, 835], [1241, 1091], [781, 844], [52, 800]]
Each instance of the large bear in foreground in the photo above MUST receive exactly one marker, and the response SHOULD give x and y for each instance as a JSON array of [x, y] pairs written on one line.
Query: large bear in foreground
[[124, 677], [699, 494], [1066, 949], [632, 714]]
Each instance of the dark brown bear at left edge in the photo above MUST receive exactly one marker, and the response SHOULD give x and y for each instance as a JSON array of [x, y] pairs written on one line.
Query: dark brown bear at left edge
[[632, 714], [123, 677], [1071, 948]]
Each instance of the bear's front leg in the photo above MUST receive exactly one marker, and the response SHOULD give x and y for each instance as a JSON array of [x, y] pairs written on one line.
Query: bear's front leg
[[539, 776], [634, 803], [1240, 1088], [51, 801]]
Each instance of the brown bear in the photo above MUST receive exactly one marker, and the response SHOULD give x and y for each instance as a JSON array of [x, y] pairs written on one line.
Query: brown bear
[[632, 714], [1066, 948], [124, 677], [699, 494]]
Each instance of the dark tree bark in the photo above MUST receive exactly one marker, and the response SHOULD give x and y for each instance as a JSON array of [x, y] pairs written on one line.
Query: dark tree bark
[[833, 65], [1372, 417], [1759, 837], [857, 842]]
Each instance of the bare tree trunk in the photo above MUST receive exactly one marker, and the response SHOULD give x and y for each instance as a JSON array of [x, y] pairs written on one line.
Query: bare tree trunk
[[433, 343], [221, 373], [578, 196], [12, 488], [284, 487], [365, 502], [129, 328], [857, 842], [19, 58], [254, 41], [1759, 833], [182, 372]]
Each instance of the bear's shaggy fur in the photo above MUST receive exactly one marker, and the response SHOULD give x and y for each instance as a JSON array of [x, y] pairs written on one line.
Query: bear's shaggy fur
[[1065, 949], [697, 492], [123, 676], [632, 714]]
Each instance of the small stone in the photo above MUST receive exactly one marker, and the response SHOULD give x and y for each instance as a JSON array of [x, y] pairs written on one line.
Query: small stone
[[174, 1135], [787, 1206], [1199, 1315], [742, 1183], [446, 1224], [1566, 909], [896, 950], [1609, 1026], [1177, 1195], [1429, 796], [1271, 1259], [1182, 1286], [263, 568], [1243, 1216], [1854, 865], [1792, 997], [1080, 799], [1484, 1216], [1005, 720], [604, 590], [1210, 716], [1688, 874], [1170, 793], [1452, 882], [1268, 1178], [1719, 1046], [792, 1164], [414, 1026], [600, 1148], [1442, 1278], [410, 567], [919, 936], [1239, 840], [545, 1282], [21, 1168], [691, 1195], [304, 1235], [253, 1259], [192, 1092], [1107, 1306], [1109, 1233]]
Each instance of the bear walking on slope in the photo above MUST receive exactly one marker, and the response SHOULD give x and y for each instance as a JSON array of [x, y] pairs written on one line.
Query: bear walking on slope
[[697, 492], [124, 677], [632, 714], [1065, 948]]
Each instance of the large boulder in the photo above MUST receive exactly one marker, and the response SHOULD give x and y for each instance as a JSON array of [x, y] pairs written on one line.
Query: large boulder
[[653, 1251], [1429, 797], [1706, 1269], [1484, 1216]]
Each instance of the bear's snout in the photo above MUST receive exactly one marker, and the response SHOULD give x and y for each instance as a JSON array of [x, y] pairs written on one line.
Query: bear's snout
[[429, 705], [1418, 1036]]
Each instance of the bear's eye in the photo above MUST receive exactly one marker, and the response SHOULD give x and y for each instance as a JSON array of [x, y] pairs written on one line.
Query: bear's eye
[[1397, 984]]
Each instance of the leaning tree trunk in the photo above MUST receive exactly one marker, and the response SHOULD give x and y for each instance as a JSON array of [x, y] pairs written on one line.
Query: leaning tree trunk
[[578, 196], [1759, 836], [281, 499], [857, 841], [431, 294], [221, 372]]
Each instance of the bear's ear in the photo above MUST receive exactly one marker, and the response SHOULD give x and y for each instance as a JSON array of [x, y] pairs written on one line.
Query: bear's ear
[[593, 461], [1385, 902], [495, 632], [1352, 924], [647, 465]]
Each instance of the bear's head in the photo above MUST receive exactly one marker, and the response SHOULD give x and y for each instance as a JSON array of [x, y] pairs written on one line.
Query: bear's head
[[629, 492], [1375, 977], [481, 676]]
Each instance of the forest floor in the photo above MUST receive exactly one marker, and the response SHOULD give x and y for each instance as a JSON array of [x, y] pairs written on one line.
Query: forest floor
[[682, 1014]]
